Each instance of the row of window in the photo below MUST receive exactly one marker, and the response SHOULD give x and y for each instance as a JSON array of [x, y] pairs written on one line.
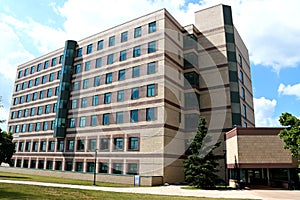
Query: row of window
[[103, 167], [94, 120], [111, 41], [34, 111]]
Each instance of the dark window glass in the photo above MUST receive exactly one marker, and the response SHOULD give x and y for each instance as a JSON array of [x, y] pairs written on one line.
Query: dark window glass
[[89, 49], [80, 145], [72, 122], [70, 145], [103, 168], [61, 58], [82, 122], [92, 144], [104, 144], [118, 142], [121, 75], [111, 41], [133, 143], [120, 96], [107, 98], [39, 67], [60, 145], [47, 109], [53, 62], [136, 51], [100, 45], [44, 79], [119, 117], [87, 66], [106, 119], [134, 116], [151, 47], [26, 72], [132, 168], [108, 78], [32, 69], [49, 92], [83, 102], [76, 86], [117, 168], [136, 71], [79, 52], [74, 104], [150, 114], [110, 59], [95, 100], [124, 36], [152, 27], [151, 68], [123, 55], [137, 32], [20, 74], [93, 120], [36, 81], [58, 74], [85, 83], [98, 62], [77, 68], [134, 93], [96, 81], [151, 90], [46, 64], [45, 126]]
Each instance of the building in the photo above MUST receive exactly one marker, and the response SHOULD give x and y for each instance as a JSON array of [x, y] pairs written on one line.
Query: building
[[132, 95]]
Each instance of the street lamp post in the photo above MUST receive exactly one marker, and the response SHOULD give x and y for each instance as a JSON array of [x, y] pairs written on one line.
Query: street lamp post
[[95, 163]]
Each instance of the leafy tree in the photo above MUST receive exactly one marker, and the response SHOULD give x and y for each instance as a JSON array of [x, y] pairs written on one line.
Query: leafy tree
[[201, 164], [7, 147], [291, 134]]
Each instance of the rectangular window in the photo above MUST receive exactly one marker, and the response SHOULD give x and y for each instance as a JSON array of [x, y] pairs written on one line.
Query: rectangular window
[[43, 146], [72, 122], [134, 116], [83, 102], [151, 68], [120, 96], [119, 117], [51, 145], [56, 91], [42, 94], [24, 85], [96, 81], [85, 83], [80, 145], [61, 58], [152, 27], [245, 125], [46, 64], [107, 98], [16, 101], [100, 45], [82, 122], [45, 126], [26, 112], [54, 107], [110, 59], [87, 66], [47, 109], [106, 119], [136, 51], [243, 93], [27, 146], [93, 120], [23, 128], [26, 72], [244, 110], [118, 142], [132, 168], [32, 111], [69, 166], [108, 78], [151, 47], [60, 145], [35, 146], [28, 97], [49, 92], [30, 83], [52, 125], [44, 79], [92, 144], [150, 114], [151, 90], [58, 74], [90, 167], [135, 93], [51, 77], [138, 32], [36, 81], [77, 68], [79, 52], [18, 87], [19, 113], [103, 168], [111, 41], [17, 128], [98, 62], [121, 75], [20, 74], [70, 145], [122, 55], [104, 144], [40, 110], [124, 36], [32, 69], [133, 143], [240, 61], [53, 62], [135, 71], [242, 76], [75, 86], [39, 67], [89, 49], [95, 100], [117, 168], [74, 104], [22, 99]]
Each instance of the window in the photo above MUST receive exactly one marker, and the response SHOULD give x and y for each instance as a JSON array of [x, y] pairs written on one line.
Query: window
[[16, 101], [152, 27], [76, 86], [135, 71], [51, 77], [56, 91], [107, 98], [244, 110], [27, 146], [119, 117], [95, 100], [20, 74], [21, 146], [53, 62], [70, 145], [61, 58], [32, 111], [104, 144], [46, 64], [77, 68], [108, 78], [26, 72], [36, 81], [39, 67], [80, 145], [137, 32], [49, 92], [121, 75], [103, 168], [83, 102], [30, 83], [51, 145], [92, 144], [35, 146], [240, 61], [54, 107], [151, 68], [118, 142], [90, 167], [98, 62], [243, 93], [242, 76], [58, 74], [32, 70], [24, 85], [132, 169], [28, 97], [26, 112], [100, 45], [22, 99], [151, 90], [74, 104], [134, 116], [89, 49], [151, 47], [45, 126], [136, 51], [133, 143], [49, 164], [44, 79], [85, 83], [43, 146], [124, 36], [117, 168], [60, 145], [72, 122], [82, 122], [135, 93], [42, 94], [106, 119], [110, 59], [111, 41], [18, 87], [87, 66], [96, 81], [93, 120], [150, 114], [23, 128], [47, 109], [79, 52], [40, 110], [52, 125], [19, 113], [122, 55], [120, 96], [17, 128], [245, 125]]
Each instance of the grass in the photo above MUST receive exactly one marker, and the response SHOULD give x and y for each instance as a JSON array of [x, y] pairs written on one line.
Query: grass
[[16, 191], [50, 179]]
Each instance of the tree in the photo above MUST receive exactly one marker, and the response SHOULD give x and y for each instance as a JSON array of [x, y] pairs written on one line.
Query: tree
[[7, 147], [1, 106], [201, 164], [291, 134]]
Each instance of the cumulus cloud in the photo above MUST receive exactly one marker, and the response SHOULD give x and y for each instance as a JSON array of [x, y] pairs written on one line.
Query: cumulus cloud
[[264, 112], [291, 90]]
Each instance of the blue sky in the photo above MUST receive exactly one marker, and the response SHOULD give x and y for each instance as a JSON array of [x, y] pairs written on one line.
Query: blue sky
[[269, 28]]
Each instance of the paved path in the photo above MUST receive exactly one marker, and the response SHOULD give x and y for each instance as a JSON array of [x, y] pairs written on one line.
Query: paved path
[[177, 191]]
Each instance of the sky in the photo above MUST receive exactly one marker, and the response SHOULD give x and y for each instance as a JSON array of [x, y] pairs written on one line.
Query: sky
[[270, 29]]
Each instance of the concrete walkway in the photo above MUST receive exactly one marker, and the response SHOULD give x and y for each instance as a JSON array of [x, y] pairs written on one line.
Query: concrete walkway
[[177, 191]]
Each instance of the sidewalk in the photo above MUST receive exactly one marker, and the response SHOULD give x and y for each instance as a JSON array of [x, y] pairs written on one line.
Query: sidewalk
[[177, 191]]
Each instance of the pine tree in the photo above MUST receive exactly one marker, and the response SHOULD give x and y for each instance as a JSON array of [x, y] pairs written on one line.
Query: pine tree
[[201, 164]]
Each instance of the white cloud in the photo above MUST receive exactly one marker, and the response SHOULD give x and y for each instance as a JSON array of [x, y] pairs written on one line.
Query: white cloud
[[292, 90], [264, 112]]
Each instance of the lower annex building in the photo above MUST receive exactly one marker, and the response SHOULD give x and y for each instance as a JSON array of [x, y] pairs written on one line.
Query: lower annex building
[[133, 94]]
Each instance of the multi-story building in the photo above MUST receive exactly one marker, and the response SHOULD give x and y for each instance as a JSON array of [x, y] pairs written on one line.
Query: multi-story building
[[132, 95]]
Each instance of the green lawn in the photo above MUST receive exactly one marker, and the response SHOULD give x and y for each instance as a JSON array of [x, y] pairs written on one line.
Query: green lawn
[[16, 191]]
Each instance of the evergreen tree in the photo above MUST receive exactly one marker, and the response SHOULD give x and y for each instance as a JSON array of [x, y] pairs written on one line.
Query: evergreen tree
[[7, 147], [201, 164]]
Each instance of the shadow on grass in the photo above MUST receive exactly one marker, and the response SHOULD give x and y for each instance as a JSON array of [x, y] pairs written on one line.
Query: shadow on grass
[[15, 195], [15, 177]]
